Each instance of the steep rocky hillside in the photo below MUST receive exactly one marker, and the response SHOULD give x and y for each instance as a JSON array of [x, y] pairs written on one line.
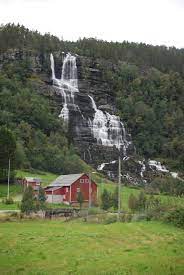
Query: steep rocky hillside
[[148, 102]]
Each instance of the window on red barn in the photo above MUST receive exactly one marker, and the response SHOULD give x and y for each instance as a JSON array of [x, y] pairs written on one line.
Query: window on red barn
[[78, 190]]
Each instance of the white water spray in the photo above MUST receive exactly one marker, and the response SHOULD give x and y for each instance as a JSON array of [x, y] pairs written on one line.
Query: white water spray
[[108, 129], [68, 84]]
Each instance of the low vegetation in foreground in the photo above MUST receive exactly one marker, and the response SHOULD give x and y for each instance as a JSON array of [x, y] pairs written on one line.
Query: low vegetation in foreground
[[53, 247]]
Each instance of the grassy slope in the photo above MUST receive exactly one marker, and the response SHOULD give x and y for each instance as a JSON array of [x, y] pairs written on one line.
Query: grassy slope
[[52, 247], [46, 177], [15, 190]]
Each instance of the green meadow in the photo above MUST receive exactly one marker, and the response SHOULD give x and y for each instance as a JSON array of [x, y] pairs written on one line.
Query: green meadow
[[55, 247], [77, 247]]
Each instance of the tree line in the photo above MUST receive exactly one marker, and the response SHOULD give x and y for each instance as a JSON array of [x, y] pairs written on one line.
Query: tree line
[[161, 57]]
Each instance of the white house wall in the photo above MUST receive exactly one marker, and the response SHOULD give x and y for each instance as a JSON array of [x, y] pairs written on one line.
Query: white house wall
[[54, 198]]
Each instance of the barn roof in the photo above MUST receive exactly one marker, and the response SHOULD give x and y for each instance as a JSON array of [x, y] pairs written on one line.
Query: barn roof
[[32, 179], [66, 180]]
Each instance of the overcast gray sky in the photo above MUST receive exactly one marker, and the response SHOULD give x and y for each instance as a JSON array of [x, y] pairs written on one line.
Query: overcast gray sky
[[157, 22]]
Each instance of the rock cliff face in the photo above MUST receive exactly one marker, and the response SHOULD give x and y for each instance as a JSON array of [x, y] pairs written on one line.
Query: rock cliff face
[[77, 89], [89, 111]]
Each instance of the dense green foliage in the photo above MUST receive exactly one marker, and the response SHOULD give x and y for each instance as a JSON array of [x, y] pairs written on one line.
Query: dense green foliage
[[41, 199], [153, 208], [105, 200], [146, 82], [28, 201], [167, 185], [161, 57], [7, 153], [109, 199], [176, 217], [40, 136], [80, 198], [152, 105]]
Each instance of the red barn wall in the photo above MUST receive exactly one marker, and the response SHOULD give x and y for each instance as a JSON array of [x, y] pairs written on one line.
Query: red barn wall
[[82, 185], [61, 191]]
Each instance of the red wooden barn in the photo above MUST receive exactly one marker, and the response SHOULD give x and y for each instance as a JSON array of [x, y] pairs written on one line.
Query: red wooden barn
[[65, 188], [34, 182]]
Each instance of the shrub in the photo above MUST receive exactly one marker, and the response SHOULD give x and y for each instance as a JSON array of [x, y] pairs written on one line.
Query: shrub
[[132, 202], [105, 200], [175, 216], [8, 201], [139, 217], [95, 211], [80, 199], [41, 199], [114, 198], [110, 219], [28, 203], [126, 217]]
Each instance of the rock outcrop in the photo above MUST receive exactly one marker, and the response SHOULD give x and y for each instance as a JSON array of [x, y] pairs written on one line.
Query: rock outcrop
[[85, 108]]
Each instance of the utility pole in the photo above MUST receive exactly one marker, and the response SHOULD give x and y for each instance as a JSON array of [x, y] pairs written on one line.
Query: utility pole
[[8, 193], [119, 187], [89, 189]]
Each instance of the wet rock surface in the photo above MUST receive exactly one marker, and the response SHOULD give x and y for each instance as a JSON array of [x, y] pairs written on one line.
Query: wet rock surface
[[81, 112]]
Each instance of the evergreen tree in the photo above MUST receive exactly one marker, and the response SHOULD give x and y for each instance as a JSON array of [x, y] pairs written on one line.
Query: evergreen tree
[[106, 200], [132, 202], [28, 201], [114, 198], [7, 151], [141, 201], [80, 198], [41, 199]]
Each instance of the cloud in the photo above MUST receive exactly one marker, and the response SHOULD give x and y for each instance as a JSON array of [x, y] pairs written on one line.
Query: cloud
[[153, 21]]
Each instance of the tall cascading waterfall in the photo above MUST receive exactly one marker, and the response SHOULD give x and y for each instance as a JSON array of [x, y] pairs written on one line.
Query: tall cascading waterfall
[[67, 84], [107, 129]]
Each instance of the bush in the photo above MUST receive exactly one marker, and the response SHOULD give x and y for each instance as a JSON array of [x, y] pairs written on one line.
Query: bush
[[95, 211], [175, 216], [126, 217], [106, 202], [28, 203], [132, 202], [110, 219], [139, 217], [8, 201]]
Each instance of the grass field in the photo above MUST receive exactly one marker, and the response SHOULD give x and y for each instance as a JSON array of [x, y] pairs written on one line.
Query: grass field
[[15, 190], [54, 247]]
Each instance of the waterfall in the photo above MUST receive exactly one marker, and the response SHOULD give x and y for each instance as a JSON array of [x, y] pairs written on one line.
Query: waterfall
[[157, 166], [69, 71], [68, 84], [143, 168], [52, 66], [108, 129]]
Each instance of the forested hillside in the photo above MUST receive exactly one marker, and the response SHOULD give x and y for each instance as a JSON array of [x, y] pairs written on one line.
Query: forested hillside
[[41, 138], [146, 82]]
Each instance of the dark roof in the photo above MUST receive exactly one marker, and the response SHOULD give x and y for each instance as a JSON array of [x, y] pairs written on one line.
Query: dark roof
[[65, 180]]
